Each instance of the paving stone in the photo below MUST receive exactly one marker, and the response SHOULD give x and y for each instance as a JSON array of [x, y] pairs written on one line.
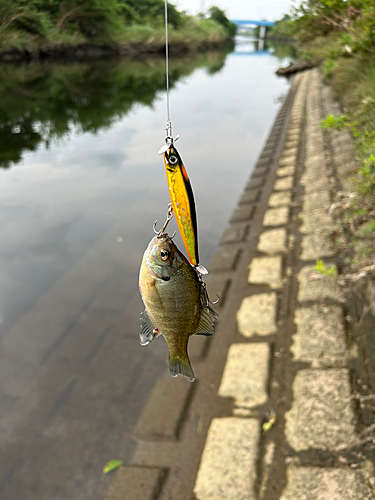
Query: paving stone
[[285, 171], [135, 483], [283, 184], [266, 270], [315, 212], [234, 233], [276, 216], [320, 337], [314, 201], [243, 213], [315, 286], [283, 198], [317, 483], [228, 466], [246, 374], [249, 197], [272, 241], [263, 162], [315, 246], [254, 183], [321, 415], [287, 152], [291, 144], [157, 424], [260, 172], [224, 260], [257, 315], [287, 162]]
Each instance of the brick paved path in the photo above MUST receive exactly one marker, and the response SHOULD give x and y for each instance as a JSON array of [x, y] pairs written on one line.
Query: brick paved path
[[280, 345]]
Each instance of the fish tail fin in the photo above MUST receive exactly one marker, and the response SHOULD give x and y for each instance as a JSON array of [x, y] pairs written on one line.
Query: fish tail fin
[[180, 365]]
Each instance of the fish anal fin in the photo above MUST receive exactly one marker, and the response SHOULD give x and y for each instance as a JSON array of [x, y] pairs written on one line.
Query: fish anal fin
[[148, 330], [206, 325], [179, 365]]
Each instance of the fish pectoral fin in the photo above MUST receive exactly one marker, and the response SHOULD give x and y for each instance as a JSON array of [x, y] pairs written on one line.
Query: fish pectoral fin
[[207, 321], [148, 330], [179, 365]]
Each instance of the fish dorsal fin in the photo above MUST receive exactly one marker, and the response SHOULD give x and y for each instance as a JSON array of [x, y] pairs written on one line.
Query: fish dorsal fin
[[148, 331], [207, 321]]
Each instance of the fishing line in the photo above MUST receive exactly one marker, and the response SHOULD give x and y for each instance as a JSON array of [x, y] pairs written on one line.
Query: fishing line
[[169, 124]]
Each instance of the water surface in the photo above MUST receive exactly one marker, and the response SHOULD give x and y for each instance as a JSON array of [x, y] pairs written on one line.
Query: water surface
[[80, 187]]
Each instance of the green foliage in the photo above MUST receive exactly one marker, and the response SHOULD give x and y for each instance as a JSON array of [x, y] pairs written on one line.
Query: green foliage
[[321, 268], [112, 465], [328, 66], [102, 21], [42, 103], [218, 15], [335, 122]]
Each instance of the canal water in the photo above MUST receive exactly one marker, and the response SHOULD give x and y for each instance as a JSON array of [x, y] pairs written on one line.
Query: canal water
[[81, 185]]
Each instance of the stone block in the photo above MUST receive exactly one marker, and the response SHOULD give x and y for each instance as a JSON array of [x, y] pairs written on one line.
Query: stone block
[[254, 183], [317, 483], [276, 216], [288, 162], [321, 415], [257, 315], [224, 260], [133, 483], [315, 286], [316, 246], [228, 466], [243, 213], [272, 241], [245, 374], [285, 171], [266, 270], [283, 198], [234, 233], [283, 184], [249, 197], [320, 337], [155, 423]]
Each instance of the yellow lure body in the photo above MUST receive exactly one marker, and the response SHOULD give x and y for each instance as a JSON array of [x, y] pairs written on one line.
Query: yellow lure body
[[182, 198]]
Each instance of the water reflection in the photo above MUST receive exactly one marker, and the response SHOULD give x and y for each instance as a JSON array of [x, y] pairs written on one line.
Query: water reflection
[[248, 46], [41, 103], [75, 220]]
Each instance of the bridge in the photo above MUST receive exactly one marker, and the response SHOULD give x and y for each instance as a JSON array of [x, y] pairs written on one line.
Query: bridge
[[250, 22], [246, 22]]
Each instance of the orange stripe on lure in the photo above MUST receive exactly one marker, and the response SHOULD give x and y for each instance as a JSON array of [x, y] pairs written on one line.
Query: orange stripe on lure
[[182, 199]]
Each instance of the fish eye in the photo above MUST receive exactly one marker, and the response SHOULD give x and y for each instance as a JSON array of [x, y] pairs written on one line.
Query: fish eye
[[172, 160], [164, 254]]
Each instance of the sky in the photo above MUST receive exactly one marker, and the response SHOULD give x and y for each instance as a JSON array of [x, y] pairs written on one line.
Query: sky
[[271, 10]]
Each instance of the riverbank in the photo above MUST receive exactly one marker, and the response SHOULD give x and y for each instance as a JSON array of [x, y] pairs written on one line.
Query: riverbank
[[281, 408], [122, 29], [85, 51]]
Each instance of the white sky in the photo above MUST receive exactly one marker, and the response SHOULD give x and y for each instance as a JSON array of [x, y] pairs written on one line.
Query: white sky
[[270, 10]]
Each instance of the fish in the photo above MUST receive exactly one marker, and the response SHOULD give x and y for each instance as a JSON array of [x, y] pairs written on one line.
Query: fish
[[182, 198], [176, 302]]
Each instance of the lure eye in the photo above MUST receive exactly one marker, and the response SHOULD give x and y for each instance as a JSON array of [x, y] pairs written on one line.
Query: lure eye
[[164, 254], [172, 160]]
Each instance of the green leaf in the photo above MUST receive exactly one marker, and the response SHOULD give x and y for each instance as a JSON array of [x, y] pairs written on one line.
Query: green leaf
[[112, 465]]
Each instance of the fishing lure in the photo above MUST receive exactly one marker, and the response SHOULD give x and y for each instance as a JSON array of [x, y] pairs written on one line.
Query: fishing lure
[[182, 198], [180, 190]]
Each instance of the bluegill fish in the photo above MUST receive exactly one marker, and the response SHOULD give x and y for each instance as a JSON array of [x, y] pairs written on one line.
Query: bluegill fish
[[176, 302]]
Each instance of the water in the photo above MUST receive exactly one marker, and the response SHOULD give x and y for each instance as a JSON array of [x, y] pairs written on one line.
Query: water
[[80, 187]]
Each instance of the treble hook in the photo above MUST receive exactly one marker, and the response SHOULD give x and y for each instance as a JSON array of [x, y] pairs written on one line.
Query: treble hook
[[169, 217]]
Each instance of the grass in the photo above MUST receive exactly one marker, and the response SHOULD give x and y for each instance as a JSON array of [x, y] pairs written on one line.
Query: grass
[[353, 80]]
